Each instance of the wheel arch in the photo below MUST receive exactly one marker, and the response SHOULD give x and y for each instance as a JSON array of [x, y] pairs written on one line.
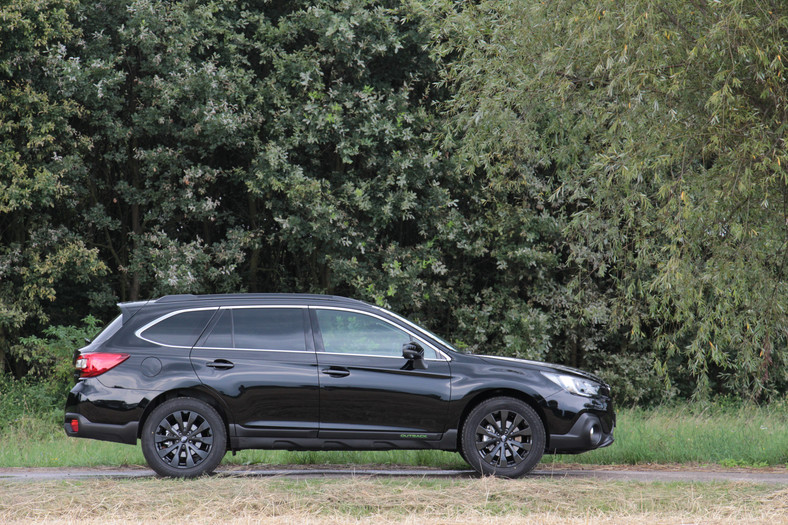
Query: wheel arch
[[483, 396], [194, 393]]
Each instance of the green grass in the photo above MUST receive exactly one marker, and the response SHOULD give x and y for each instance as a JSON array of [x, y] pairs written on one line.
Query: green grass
[[711, 434], [730, 436]]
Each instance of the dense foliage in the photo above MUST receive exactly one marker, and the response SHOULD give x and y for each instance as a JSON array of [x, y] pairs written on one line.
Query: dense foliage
[[596, 183], [657, 130]]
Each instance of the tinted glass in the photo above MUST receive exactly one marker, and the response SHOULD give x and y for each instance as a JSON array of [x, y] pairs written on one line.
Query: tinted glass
[[180, 329], [222, 333], [353, 333], [269, 328], [111, 329]]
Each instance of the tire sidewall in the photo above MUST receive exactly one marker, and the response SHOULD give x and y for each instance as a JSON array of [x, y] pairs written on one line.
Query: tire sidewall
[[218, 447], [468, 437]]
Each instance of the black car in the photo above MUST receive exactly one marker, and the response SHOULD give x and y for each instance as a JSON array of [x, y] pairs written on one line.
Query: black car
[[195, 376]]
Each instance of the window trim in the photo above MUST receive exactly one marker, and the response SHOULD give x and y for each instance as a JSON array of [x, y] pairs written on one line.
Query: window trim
[[164, 317], [442, 356]]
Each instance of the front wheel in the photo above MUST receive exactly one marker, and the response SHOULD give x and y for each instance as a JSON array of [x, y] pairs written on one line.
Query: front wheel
[[503, 436], [184, 437]]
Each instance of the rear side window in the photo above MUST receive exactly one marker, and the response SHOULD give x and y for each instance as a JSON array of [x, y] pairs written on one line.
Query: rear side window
[[181, 329], [259, 329], [111, 329], [222, 334]]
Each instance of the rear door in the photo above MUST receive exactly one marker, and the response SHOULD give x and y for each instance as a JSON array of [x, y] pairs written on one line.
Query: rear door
[[367, 389], [261, 361]]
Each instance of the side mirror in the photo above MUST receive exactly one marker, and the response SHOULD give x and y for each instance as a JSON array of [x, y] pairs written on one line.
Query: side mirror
[[414, 353]]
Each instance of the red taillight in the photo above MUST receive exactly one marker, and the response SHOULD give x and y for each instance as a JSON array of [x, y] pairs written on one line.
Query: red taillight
[[92, 365], [75, 425]]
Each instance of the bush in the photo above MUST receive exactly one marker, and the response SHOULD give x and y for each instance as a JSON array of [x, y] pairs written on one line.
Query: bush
[[50, 373], [27, 399], [49, 358]]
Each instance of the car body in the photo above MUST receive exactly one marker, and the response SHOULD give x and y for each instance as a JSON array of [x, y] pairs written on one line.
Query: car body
[[193, 376]]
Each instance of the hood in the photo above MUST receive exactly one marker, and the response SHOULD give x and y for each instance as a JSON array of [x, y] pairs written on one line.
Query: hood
[[549, 367]]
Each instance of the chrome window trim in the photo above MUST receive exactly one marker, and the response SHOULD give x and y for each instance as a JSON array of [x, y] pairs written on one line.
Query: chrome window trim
[[156, 321], [307, 352], [438, 351], [138, 333]]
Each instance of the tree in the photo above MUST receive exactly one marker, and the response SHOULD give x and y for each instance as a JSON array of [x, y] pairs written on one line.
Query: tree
[[40, 255], [165, 96], [660, 131], [346, 191]]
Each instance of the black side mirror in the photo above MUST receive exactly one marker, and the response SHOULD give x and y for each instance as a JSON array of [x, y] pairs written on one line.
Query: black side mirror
[[414, 353]]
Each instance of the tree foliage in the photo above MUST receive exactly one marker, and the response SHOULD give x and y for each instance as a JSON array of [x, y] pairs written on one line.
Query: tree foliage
[[40, 253], [659, 131]]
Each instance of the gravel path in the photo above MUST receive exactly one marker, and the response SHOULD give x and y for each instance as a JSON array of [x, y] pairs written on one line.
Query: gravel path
[[690, 474]]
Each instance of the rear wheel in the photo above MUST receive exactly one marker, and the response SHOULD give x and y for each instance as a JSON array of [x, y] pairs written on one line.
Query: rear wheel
[[184, 437], [503, 436]]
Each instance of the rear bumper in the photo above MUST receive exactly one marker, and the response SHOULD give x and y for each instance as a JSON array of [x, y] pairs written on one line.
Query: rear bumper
[[125, 433], [107, 414], [588, 433]]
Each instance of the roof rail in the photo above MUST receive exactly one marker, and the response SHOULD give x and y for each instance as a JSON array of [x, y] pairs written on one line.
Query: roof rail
[[175, 298]]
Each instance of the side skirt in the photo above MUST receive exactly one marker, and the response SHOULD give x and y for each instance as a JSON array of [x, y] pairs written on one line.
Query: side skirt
[[446, 441]]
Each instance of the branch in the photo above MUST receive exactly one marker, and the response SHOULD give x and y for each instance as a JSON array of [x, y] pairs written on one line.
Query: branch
[[675, 22]]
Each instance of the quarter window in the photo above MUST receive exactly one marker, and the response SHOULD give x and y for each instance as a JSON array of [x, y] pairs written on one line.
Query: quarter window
[[356, 333], [181, 329]]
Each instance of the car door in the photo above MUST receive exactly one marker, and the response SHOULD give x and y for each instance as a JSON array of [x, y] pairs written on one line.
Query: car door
[[367, 389], [261, 361]]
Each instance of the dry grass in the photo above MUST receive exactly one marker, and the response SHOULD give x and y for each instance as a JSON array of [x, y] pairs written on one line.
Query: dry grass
[[373, 500]]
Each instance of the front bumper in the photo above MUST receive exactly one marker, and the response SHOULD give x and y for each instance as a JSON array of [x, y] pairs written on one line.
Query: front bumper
[[588, 433]]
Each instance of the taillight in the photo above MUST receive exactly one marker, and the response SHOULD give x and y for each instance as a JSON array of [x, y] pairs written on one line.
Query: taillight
[[92, 365]]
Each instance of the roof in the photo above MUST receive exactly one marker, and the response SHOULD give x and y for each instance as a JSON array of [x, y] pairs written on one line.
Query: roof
[[246, 298]]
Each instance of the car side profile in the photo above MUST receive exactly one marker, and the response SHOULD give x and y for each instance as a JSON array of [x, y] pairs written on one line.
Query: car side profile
[[193, 376]]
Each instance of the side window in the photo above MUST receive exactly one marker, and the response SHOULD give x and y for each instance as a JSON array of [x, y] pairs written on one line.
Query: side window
[[355, 333], [268, 328], [181, 329], [222, 334]]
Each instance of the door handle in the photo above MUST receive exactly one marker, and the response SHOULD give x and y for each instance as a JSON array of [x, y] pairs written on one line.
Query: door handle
[[221, 364], [337, 371]]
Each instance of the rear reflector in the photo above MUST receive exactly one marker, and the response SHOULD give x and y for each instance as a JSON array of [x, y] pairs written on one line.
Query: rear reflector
[[75, 425], [92, 365]]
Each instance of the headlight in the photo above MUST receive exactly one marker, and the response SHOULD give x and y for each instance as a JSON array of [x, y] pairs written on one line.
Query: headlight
[[574, 384]]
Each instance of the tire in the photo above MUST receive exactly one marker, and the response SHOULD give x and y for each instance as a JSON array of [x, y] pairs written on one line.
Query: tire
[[174, 452], [504, 437]]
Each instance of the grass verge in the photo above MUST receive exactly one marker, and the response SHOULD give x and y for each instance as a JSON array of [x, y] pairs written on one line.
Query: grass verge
[[748, 435], [371, 500], [712, 434]]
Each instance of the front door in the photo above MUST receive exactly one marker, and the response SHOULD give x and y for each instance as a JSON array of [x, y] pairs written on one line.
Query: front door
[[367, 389]]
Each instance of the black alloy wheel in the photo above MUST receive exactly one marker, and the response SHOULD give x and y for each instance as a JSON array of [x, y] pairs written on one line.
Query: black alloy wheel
[[503, 436], [184, 437]]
